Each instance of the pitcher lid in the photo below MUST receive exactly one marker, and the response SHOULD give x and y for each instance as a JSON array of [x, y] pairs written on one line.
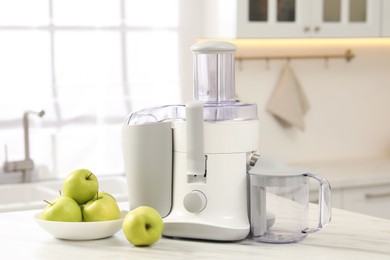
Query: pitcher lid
[[268, 165]]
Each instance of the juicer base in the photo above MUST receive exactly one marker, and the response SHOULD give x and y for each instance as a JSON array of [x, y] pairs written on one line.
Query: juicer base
[[205, 231]]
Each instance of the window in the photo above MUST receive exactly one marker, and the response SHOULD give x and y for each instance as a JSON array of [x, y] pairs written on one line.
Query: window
[[88, 64]]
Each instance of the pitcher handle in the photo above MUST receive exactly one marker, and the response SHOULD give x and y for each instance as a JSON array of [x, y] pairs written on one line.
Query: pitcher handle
[[324, 201]]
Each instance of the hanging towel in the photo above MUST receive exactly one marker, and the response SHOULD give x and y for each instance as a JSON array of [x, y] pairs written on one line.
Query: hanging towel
[[288, 102]]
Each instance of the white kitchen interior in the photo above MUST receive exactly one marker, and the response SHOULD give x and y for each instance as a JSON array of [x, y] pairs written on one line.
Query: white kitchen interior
[[89, 63]]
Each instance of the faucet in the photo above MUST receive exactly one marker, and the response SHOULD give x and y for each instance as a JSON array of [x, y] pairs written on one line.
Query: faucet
[[27, 165]]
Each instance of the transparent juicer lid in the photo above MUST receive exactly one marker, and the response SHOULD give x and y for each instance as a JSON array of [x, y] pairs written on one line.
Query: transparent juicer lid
[[214, 85]]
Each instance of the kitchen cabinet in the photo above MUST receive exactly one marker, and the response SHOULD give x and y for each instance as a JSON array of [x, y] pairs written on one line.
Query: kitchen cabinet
[[269, 19], [373, 200], [386, 18], [345, 18], [369, 200], [293, 18], [360, 185]]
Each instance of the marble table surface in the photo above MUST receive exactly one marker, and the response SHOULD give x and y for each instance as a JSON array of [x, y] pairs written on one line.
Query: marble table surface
[[348, 236]]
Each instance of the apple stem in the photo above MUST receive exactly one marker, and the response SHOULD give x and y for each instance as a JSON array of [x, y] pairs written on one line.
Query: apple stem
[[59, 191], [89, 176], [48, 202]]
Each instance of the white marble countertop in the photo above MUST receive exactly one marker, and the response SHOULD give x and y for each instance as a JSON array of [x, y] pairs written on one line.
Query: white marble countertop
[[351, 173], [348, 236]]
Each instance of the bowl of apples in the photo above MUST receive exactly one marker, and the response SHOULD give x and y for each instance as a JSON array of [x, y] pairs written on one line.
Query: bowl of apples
[[81, 212]]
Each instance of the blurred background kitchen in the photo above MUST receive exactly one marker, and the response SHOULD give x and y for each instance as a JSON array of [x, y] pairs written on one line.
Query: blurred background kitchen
[[89, 63]]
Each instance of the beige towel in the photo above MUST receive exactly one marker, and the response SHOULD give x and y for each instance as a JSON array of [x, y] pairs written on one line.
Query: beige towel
[[288, 102]]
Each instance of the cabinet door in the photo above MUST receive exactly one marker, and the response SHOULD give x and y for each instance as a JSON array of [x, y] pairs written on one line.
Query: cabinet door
[[385, 18], [273, 19], [345, 18]]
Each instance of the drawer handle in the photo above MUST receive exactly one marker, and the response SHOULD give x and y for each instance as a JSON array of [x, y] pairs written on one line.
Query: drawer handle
[[377, 195]]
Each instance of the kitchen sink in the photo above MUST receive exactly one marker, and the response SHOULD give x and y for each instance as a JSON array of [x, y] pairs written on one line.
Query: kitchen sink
[[24, 196]]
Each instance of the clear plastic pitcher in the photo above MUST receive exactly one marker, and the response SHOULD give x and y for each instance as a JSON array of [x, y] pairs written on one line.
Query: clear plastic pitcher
[[279, 204]]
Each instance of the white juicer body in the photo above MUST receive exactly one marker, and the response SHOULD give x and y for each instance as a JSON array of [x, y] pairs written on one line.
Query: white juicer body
[[214, 206], [190, 162]]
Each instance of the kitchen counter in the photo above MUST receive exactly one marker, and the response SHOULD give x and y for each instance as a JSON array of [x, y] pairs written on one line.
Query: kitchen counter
[[348, 236]]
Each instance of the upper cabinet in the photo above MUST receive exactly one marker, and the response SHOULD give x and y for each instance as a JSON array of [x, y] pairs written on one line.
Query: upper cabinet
[[345, 18], [296, 18], [273, 19]]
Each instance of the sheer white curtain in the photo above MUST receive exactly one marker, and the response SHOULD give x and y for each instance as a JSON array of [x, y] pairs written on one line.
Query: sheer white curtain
[[87, 63]]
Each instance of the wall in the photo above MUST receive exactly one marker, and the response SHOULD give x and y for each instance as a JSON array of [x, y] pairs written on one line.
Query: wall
[[349, 115], [350, 101]]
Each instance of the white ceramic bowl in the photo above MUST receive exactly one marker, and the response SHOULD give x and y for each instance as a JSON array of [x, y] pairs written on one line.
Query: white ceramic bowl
[[81, 230]]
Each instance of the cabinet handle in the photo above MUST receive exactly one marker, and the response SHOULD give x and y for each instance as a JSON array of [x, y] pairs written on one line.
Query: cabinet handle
[[317, 29], [377, 195], [306, 29]]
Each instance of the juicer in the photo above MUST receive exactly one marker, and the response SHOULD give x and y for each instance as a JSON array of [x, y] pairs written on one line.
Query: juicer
[[190, 161]]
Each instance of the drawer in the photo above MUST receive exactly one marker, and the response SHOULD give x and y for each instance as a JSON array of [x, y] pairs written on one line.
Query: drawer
[[374, 200]]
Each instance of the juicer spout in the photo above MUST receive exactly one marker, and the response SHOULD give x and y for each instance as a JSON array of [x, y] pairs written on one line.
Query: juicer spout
[[196, 158]]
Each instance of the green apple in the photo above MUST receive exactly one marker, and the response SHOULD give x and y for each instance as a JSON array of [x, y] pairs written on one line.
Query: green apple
[[143, 226], [81, 185], [63, 209], [101, 208], [102, 193]]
